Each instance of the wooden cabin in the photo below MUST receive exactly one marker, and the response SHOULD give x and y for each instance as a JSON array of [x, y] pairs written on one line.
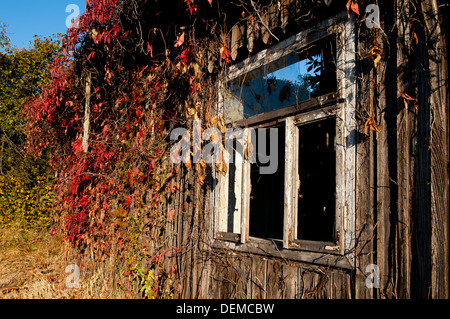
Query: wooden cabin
[[358, 206]]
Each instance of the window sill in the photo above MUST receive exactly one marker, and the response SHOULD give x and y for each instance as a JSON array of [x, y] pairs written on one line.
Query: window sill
[[274, 249], [316, 103]]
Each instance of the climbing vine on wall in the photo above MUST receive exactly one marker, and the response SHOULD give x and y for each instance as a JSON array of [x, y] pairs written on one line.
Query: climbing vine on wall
[[129, 73], [147, 76]]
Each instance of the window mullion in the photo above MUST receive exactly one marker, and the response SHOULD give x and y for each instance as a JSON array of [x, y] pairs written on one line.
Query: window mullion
[[246, 188], [290, 183]]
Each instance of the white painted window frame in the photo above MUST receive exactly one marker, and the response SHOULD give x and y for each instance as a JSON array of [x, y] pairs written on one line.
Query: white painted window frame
[[344, 29]]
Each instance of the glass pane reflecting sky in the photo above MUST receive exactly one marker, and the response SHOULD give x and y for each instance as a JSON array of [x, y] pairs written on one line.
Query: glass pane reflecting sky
[[275, 85]]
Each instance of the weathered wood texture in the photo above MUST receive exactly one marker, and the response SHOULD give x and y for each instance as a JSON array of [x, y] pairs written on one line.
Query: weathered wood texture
[[434, 96], [402, 182], [365, 170], [210, 272]]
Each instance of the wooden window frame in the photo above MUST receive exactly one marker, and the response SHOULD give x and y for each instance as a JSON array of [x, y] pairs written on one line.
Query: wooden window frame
[[340, 104]]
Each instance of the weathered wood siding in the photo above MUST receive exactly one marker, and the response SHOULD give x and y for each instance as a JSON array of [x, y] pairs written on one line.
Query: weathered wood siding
[[402, 181]]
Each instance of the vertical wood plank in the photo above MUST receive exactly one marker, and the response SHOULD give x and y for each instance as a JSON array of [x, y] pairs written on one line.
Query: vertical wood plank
[[346, 76], [236, 40], [439, 153], [274, 285], [258, 278], [285, 6], [251, 35], [386, 159], [265, 34], [404, 154], [364, 177], [290, 279]]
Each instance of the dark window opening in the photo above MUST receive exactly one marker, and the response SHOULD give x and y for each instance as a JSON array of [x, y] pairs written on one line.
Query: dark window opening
[[317, 172], [267, 194]]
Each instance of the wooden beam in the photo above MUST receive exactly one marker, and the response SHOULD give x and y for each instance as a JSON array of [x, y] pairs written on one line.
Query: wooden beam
[[274, 249], [290, 183], [318, 102]]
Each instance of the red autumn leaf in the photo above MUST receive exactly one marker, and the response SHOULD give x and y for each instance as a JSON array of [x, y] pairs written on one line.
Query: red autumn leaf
[[185, 55], [128, 201], [115, 29], [180, 40], [105, 129], [225, 53], [76, 146], [150, 49], [84, 201], [193, 9], [136, 171], [151, 166]]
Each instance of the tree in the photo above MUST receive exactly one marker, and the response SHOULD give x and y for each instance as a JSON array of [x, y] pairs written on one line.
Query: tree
[[4, 40], [23, 71]]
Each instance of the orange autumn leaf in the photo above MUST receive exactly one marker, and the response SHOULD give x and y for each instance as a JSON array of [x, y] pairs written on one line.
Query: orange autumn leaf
[[221, 124], [371, 124], [221, 166], [415, 38], [375, 54], [407, 98], [352, 5]]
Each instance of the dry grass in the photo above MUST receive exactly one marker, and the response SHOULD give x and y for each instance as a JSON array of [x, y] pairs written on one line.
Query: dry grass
[[30, 264], [33, 263]]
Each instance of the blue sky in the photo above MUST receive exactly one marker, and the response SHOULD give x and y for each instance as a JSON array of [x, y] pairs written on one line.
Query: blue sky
[[29, 17]]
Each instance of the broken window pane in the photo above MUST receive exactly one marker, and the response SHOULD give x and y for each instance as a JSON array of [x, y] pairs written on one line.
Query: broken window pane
[[317, 172]]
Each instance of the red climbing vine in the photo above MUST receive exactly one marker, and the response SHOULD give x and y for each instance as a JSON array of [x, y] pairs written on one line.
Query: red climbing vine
[[145, 73]]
